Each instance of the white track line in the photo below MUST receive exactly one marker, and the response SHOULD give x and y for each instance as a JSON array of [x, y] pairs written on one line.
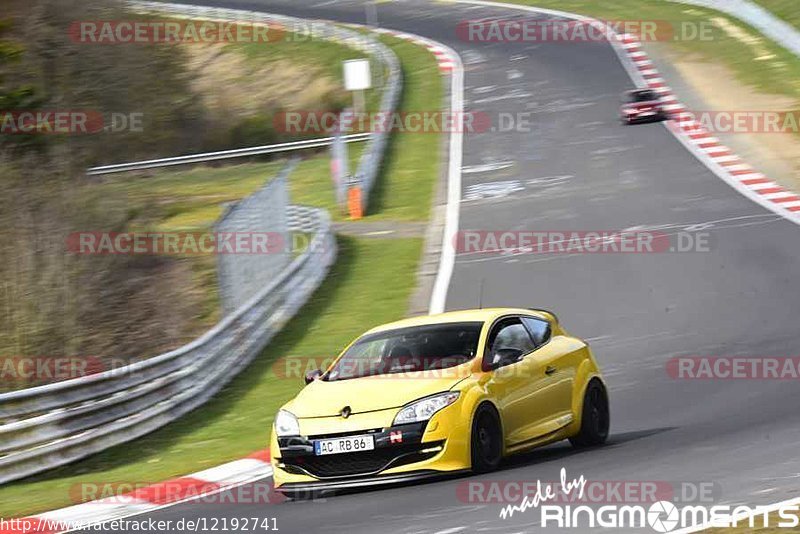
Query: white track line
[[447, 258]]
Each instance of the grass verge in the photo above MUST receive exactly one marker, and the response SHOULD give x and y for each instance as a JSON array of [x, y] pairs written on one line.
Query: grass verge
[[370, 284], [193, 199], [405, 190], [412, 161], [784, 9]]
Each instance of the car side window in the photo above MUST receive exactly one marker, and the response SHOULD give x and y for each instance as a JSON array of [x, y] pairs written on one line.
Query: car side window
[[539, 330], [511, 334]]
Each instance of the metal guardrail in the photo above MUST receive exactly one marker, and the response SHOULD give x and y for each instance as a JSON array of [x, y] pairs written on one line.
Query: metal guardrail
[[222, 154], [369, 164], [51, 425], [760, 18]]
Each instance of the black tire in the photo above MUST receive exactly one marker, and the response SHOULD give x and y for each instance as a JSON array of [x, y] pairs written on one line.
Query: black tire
[[486, 441], [596, 419]]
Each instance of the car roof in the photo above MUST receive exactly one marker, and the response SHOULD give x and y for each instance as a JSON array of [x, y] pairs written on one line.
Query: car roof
[[644, 92], [460, 316]]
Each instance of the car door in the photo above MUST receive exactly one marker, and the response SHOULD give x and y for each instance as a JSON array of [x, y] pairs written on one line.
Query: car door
[[554, 374], [511, 383]]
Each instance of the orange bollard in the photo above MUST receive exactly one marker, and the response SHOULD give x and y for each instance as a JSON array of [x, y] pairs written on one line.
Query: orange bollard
[[354, 205]]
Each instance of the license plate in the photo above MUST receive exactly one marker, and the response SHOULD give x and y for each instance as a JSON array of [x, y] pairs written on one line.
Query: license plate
[[342, 445]]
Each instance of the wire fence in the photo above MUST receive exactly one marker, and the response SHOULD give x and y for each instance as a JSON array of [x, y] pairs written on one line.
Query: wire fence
[[261, 217]]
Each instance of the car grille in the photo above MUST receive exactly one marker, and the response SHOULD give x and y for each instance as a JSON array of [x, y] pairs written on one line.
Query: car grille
[[358, 463]]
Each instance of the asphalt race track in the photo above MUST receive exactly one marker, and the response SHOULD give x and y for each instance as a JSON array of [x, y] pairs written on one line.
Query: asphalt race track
[[580, 169]]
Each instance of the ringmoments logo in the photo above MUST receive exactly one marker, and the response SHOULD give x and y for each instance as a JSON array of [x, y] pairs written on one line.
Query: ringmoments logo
[[660, 516]]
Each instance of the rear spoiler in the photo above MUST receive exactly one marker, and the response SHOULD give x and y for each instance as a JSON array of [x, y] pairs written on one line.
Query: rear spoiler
[[540, 310]]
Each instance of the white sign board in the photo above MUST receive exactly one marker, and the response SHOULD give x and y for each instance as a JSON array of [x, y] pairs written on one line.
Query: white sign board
[[356, 75]]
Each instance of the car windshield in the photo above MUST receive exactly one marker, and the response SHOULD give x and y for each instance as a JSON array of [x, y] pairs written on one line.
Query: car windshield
[[642, 96], [405, 350]]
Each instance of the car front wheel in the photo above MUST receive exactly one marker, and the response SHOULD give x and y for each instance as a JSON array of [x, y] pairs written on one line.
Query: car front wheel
[[486, 441]]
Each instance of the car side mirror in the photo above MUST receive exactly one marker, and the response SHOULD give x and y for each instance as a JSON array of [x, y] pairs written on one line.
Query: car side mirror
[[506, 356], [312, 375]]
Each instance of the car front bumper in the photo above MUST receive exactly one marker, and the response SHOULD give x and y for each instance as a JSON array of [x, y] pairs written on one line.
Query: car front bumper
[[643, 116], [308, 489], [402, 453]]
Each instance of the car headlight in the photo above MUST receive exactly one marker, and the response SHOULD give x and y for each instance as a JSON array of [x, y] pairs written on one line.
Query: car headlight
[[423, 409], [286, 424]]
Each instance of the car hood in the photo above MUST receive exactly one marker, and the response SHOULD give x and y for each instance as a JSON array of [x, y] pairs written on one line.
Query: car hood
[[372, 393]]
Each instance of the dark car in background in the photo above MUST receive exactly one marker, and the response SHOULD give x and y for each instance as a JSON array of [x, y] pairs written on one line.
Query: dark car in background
[[642, 105]]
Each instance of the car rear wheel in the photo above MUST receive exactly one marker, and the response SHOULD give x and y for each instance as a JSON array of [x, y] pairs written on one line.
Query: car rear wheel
[[486, 441], [595, 419]]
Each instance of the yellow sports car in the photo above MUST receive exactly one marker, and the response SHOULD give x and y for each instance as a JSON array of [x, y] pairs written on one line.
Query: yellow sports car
[[439, 394]]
